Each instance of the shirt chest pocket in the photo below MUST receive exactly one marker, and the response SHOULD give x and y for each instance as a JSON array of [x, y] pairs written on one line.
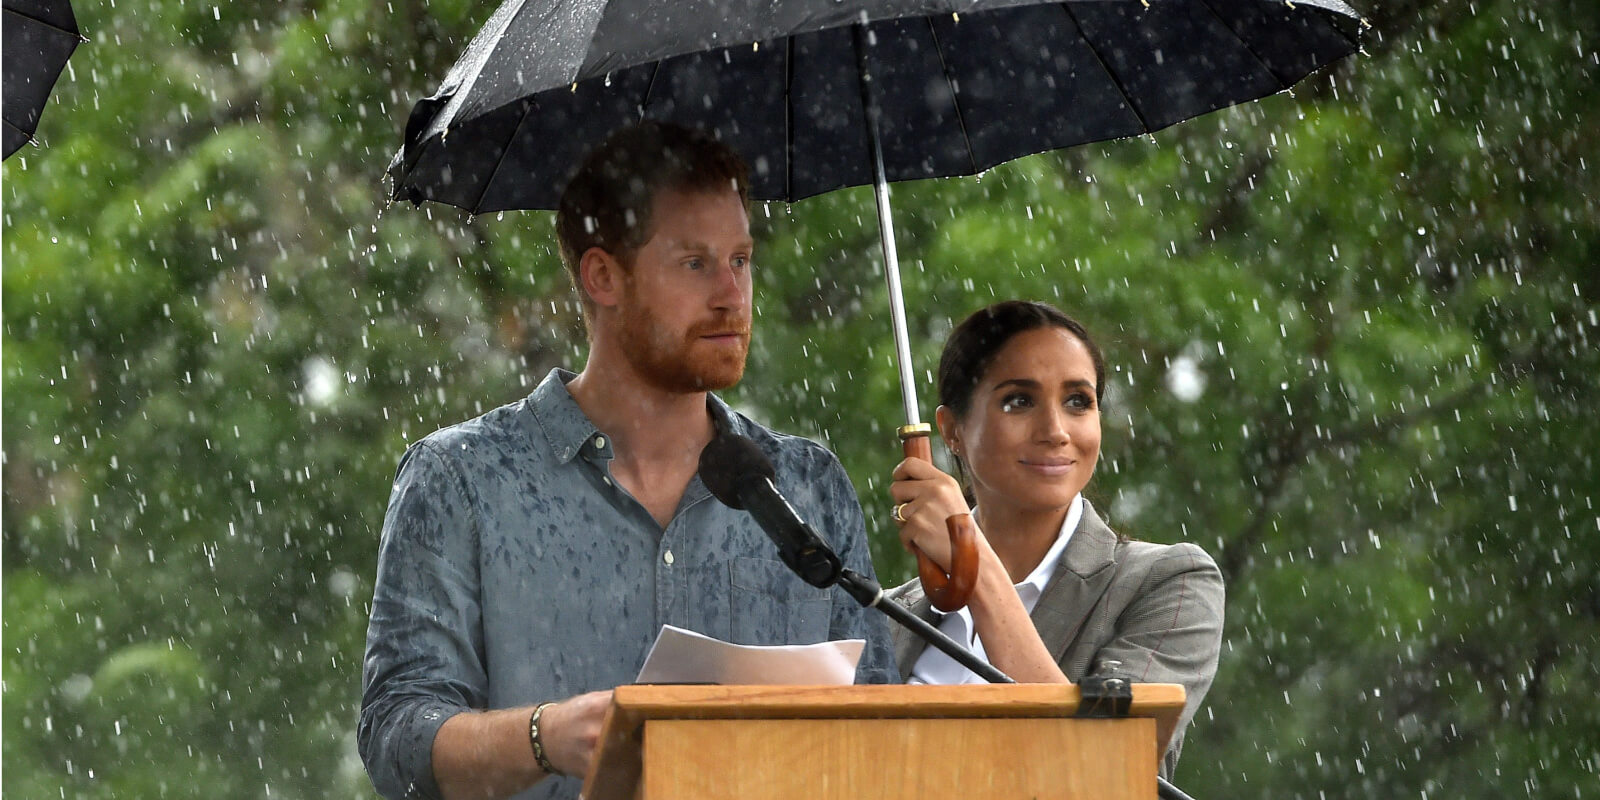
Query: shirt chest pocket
[[769, 605]]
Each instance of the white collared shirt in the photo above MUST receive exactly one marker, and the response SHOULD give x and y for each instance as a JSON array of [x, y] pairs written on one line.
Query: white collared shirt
[[937, 668]]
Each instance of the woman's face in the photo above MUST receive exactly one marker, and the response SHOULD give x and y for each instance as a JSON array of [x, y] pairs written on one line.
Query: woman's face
[[1031, 436]]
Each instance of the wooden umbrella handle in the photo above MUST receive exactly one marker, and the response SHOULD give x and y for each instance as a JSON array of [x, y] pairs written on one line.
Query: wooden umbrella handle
[[948, 591]]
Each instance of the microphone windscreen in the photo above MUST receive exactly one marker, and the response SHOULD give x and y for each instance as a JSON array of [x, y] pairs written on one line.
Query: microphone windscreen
[[728, 459]]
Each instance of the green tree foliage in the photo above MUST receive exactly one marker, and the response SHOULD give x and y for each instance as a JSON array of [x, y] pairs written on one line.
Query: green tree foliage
[[1352, 335]]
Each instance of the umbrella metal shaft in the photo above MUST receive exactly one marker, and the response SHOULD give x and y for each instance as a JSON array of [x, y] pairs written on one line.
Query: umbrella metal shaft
[[891, 261], [897, 305]]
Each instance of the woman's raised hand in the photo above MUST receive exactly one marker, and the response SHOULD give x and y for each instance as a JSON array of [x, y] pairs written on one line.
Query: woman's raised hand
[[925, 496]]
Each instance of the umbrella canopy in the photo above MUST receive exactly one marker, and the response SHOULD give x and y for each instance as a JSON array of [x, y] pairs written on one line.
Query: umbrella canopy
[[39, 37], [960, 86]]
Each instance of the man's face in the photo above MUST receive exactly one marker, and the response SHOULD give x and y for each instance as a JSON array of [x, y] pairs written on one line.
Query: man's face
[[685, 307]]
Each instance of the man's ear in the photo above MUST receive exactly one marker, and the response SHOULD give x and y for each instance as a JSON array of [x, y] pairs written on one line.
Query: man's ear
[[949, 429], [601, 275]]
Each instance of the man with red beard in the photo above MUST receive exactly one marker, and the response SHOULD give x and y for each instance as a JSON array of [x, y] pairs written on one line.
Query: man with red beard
[[530, 556]]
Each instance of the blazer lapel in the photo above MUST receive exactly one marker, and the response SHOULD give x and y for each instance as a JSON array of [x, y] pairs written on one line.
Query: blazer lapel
[[908, 646], [1080, 578]]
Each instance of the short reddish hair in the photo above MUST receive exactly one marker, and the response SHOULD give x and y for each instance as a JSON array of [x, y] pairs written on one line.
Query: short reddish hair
[[608, 202]]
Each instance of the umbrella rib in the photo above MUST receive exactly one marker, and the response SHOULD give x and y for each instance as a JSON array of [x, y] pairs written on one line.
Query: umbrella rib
[[484, 192], [1116, 82], [74, 34], [788, 118], [1251, 50], [1360, 21], [644, 100], [961, 119], [18, 129]]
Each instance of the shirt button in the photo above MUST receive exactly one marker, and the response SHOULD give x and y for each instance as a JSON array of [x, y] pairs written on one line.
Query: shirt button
[[667, 557], [599, 442], [606, 478]]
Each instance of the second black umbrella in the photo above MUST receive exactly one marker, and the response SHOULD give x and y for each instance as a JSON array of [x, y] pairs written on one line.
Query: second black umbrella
[[39, 37]]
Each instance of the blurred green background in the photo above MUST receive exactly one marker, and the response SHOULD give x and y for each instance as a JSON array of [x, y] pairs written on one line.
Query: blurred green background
[[1352, 334]]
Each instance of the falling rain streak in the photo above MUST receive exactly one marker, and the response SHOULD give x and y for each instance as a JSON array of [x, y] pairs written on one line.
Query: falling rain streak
[[1354, 346]]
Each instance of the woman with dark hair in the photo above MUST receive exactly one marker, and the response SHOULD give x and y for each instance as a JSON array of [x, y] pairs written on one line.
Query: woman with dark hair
[[1059, 596]]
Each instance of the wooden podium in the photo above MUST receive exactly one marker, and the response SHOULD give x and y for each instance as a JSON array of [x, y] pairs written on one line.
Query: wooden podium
[[878, 743]]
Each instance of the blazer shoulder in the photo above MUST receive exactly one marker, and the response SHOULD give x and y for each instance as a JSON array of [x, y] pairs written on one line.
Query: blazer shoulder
[[1137, 552], [1150, 564], [906, 594]]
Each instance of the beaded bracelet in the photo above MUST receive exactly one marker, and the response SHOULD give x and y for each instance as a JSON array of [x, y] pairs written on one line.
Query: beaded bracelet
[[538, 745]]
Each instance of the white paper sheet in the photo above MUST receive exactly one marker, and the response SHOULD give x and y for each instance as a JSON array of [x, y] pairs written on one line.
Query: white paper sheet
[[683, 656]]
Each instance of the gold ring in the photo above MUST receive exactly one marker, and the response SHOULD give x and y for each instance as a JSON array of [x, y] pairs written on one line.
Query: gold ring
[[895, 512]]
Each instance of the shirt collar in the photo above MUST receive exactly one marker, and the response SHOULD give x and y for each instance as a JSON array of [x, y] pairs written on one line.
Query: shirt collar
[[1032, 587], [724, 418], [568, 430], [958, 624], [1040, 576]]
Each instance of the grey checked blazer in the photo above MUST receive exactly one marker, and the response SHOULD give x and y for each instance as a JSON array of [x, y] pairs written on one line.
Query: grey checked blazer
[[1155, 608]]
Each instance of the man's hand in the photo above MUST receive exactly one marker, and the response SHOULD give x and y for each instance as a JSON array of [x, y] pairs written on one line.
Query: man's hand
[[570, 731], [486, 754]]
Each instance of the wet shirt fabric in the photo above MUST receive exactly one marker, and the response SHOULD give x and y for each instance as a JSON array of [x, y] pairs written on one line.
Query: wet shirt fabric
[[513, 570]]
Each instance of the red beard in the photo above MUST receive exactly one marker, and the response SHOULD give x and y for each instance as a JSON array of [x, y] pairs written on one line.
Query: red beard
[[687, 364]]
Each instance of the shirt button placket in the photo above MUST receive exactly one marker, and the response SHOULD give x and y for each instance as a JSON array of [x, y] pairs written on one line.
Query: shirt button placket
[[599, 445], [666, 587]]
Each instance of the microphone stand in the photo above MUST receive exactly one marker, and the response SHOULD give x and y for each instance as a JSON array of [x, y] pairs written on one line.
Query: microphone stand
[[869, 593]]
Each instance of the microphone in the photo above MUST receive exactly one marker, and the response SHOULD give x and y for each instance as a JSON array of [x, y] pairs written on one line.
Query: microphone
[[741, 476]]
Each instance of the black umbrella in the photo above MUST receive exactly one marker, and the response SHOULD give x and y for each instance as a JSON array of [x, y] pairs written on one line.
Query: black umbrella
[[956, 87], [39, 37], [962, 86], [824, 94]]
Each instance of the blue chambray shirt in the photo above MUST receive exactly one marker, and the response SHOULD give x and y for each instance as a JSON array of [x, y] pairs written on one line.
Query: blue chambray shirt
[[513, 571]]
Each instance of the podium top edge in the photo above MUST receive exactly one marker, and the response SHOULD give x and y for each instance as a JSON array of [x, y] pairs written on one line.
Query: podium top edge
[[878, 701]]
